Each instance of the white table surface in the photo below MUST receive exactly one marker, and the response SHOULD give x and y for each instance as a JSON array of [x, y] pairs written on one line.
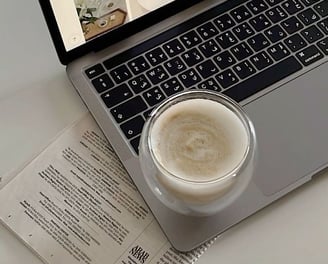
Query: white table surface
[[37, 101]]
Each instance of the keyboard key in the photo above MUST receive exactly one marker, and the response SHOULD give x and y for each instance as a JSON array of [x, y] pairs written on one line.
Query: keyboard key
[[309, 55], [264, 79], [312, 34], [275, 33], [226, 40], [227, 78], [189, 78], [224, 60], [209, 48], [260, 22], [278, 51], [308, 17], [241, 51], [153, 96], [210, 84], [102, 83], [224, 22], [258, 42], [292, 24], [128, 109], [323, 45], [175, 66], [139, 83], [292, 6], [94, 71], [171, 86], [192, 57], [133, 127], [309, 2], [156, 56], [273, 2], [173, 48], [135, 144], [116, 95], [207, 30], [244, 69], [157, 75], [120, 74], [207, 68], [243, 31], [276, 14], [295, 42], [322, 8], [240, 14], [257, 6], [138, 65], [323, 25], [190, 39], [261, 60]]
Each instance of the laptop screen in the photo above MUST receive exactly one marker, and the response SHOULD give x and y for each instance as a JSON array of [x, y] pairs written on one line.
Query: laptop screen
[[80, 21]]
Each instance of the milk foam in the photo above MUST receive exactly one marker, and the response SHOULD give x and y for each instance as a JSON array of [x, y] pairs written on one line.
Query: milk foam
[[198, 141]]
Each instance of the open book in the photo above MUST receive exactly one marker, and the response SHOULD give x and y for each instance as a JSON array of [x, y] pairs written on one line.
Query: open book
[[74, 203]]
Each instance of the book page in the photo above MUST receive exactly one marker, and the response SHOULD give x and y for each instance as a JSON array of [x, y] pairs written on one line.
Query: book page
[[75, 203]]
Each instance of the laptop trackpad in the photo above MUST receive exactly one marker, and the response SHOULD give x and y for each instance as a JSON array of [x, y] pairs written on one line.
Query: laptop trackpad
[[292, 127]]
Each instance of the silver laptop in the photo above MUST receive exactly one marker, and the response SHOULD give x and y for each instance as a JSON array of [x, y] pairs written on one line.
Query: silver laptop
[[126, 56]]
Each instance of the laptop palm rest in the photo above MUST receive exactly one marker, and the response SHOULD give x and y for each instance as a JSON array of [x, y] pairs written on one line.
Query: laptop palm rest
[[292, 125]]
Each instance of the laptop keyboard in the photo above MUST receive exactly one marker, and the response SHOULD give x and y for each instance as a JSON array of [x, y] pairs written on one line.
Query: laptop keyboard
[[238, 49]]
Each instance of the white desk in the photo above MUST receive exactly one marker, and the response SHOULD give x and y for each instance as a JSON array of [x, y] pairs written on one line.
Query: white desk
[[37, 101]]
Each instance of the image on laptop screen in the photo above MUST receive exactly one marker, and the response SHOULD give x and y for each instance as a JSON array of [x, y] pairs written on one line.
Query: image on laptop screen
[[82, 20]]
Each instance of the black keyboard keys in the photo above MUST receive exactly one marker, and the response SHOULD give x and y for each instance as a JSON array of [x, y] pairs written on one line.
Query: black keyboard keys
[[323, 25], [153, 96], [133, 127], [157, 75], [192, 57], [210, 84], [156, 56], [209, 48], [275, 33], [207, 68], [226, 40], [190, 39], [224, 22], [241, 51], [128, 109], [175, 66], [240, 14], [309, 55], [292, 6], [308, 16], [258, 42], [295, 42], [120, 74], [227, 78], [173, 48], [292, 24], [260, 22], [189, 78], [261, 60], [139, 83], [278, 51], [243, 31], [244, 69], [322, 8], [225, 60], [276, 14], [207, 30], [312, 34], [171, 86], [116, 95], [257, 6], [94, 71], [102, 83], [138, 65], [323, 45]]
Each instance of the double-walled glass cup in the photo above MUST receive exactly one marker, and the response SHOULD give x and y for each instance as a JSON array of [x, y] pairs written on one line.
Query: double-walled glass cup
[[197, 152]]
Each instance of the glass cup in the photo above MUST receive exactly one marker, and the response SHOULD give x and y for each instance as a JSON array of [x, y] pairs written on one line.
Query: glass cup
[[197, 152]]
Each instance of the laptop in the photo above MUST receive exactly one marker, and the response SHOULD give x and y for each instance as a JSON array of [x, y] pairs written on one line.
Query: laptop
[[126, 56]]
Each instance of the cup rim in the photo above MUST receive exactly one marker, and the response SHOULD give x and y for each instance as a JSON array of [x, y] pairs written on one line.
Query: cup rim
[[209, 95]]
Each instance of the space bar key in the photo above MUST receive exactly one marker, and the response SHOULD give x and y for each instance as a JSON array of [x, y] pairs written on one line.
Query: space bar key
[[263, 79]]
